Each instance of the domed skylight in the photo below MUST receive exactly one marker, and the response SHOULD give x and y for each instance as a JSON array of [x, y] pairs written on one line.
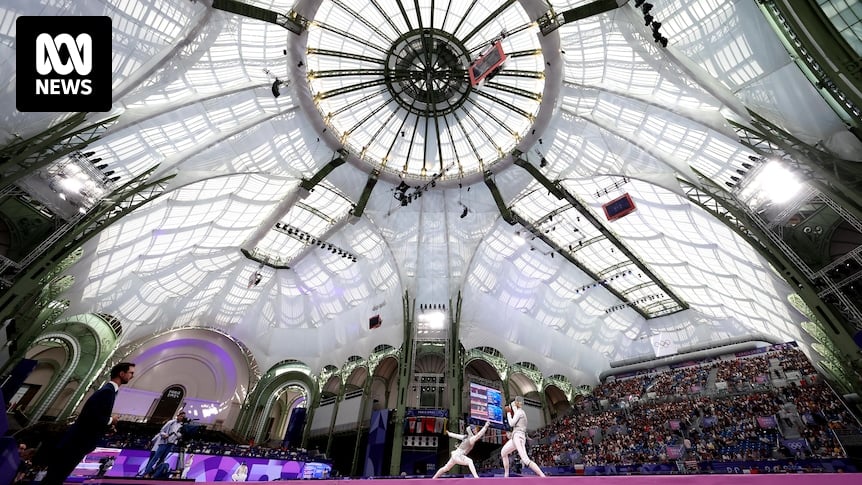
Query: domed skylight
[[396, 92]]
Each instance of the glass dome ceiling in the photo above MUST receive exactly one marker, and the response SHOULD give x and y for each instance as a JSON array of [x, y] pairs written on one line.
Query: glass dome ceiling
[[392, 83], [251, 222]]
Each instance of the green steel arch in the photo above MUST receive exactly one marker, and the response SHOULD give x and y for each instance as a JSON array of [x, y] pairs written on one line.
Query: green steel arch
[[260, 398], [89, 340]]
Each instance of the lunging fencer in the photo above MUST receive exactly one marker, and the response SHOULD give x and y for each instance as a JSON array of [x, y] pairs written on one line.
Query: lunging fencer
[[518, 421], [459, 454]]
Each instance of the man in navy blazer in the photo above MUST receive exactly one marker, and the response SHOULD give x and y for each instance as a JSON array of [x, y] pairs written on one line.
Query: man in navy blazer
[[84, 434]]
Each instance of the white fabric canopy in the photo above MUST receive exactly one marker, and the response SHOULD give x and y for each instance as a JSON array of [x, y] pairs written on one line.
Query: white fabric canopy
[[192, 86]]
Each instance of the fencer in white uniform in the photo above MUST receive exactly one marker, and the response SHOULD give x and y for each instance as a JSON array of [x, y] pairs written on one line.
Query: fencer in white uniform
[[518, 438], [459, 454]]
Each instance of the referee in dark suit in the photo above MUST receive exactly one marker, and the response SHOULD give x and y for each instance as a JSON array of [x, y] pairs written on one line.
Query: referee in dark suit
[[84, 434]]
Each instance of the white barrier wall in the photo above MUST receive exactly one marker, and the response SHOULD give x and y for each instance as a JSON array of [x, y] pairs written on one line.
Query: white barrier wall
[[535, 417], [348, 413], [322, 419]]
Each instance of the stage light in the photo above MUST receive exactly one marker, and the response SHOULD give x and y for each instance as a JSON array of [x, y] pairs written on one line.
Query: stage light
[[778, 183], [432, 320], [71, 185]]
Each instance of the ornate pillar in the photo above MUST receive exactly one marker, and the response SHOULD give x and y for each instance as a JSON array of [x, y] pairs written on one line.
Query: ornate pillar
[[405, 371]]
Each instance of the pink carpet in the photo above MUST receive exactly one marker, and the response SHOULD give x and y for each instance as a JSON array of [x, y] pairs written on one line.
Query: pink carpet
[[762, 479]]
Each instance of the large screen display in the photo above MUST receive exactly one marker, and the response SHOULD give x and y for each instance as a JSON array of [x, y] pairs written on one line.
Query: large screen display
[[619, 207], [485, 65], [486, 404]]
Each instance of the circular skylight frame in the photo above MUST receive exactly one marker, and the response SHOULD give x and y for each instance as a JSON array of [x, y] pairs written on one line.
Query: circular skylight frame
[[418, 76], [359, 89]]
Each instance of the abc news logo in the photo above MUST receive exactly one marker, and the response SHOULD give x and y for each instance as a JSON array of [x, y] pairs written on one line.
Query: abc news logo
[[48, 61], [63, 64]]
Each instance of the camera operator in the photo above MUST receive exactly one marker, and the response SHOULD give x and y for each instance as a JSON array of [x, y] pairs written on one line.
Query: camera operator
[[169, 434]]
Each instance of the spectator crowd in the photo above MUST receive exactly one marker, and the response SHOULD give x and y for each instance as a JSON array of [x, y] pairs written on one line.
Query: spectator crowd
[[759, 407]]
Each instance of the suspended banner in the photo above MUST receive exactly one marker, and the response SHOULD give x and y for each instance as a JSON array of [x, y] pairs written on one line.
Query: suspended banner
[[376, 448], [663, 345]]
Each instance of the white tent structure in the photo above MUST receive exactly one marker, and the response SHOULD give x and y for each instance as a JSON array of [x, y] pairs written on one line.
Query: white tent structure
[[379, 180]]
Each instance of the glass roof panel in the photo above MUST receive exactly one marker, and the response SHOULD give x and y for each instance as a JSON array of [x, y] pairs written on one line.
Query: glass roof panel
[[561, 6], [399, 97], [135, 41], [193, 88], [556, 221]]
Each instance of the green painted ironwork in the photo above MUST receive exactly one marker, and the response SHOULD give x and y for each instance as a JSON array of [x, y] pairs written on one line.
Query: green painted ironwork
[[841, 179], [28, 284], [725, 208], [562, 383], [291, 21], [556, 189], [821, 53], [25, 157]]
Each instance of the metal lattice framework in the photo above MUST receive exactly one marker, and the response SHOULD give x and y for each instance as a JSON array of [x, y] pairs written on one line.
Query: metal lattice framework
[[400, 98]]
